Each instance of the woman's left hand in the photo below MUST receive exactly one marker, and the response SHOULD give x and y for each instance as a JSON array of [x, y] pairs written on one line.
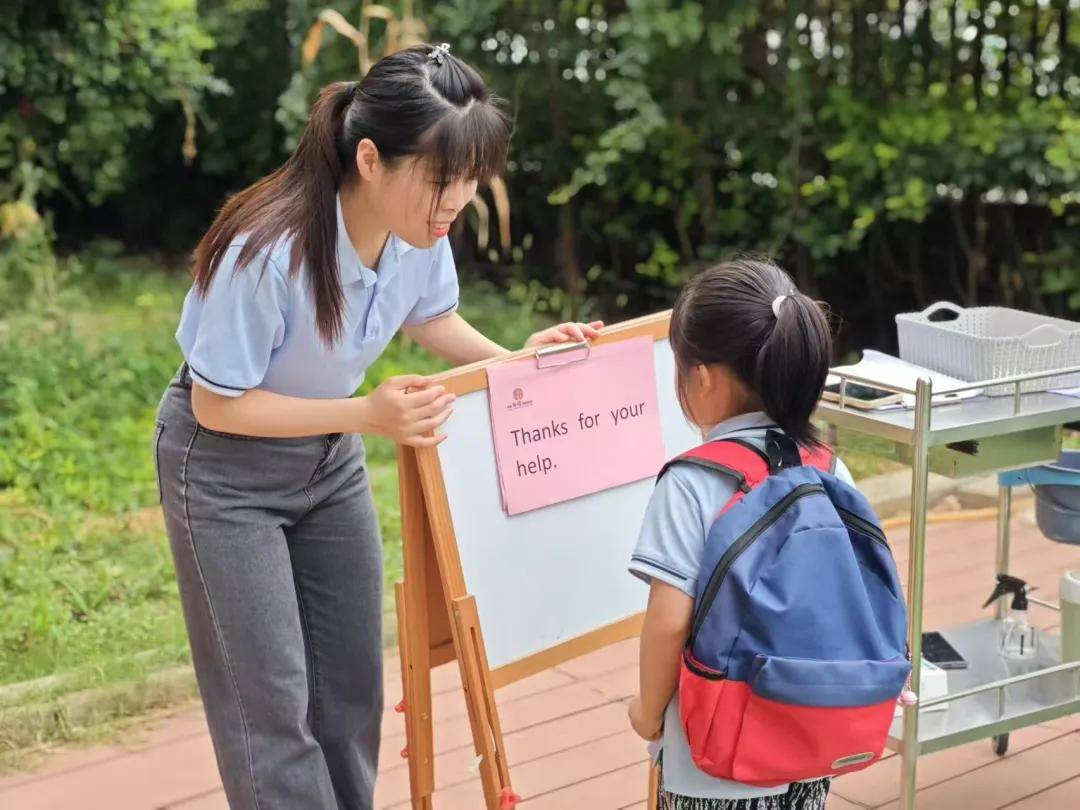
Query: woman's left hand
[[565, 333]]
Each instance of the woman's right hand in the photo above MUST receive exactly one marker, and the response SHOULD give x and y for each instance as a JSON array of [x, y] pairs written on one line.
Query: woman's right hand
[[405, 408]]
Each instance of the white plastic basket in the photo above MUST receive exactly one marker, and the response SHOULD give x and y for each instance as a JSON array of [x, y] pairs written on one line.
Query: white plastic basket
[[985, 343]]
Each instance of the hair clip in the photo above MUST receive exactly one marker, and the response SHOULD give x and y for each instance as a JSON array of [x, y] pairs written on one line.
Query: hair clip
[[439, 53], [776, 304]]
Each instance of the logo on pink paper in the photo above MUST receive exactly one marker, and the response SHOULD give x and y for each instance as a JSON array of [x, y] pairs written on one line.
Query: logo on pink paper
[[519, 400]]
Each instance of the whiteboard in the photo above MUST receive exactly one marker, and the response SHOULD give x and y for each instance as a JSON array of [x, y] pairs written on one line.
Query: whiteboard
[[547, 576]]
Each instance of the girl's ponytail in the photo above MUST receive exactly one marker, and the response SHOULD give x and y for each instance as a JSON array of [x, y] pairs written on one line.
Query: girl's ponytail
[[792, 364], [746, 314]]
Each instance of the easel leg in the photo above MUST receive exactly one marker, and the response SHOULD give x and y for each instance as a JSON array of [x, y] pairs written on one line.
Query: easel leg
[[414, 635], [480, 698], [463, 619], [416, 703]]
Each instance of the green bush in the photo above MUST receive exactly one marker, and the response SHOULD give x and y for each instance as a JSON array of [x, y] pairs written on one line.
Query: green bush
[[889, 154], [27, 265], [80, 79]]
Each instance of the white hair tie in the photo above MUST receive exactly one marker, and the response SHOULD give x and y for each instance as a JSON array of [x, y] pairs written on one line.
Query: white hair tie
[[439, 53], [776, 305]]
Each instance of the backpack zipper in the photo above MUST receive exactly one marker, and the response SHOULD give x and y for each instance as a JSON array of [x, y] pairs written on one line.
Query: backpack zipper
[[861, 525], [740, 479], [700, 669], [740, 545]]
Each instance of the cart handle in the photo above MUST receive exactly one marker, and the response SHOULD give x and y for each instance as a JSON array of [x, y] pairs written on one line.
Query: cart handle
[[1069, 666]]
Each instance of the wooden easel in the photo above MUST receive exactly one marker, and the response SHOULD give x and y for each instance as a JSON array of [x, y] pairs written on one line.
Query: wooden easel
[[438, 619]]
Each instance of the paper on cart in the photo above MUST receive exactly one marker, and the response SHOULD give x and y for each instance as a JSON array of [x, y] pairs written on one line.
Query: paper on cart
[[1068, 392], [891, 370]]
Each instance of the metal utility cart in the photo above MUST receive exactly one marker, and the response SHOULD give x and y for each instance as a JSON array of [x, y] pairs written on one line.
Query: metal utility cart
[[977, 436]]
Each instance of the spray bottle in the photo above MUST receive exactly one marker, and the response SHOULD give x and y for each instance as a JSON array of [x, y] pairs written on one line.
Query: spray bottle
[[1016, 636]]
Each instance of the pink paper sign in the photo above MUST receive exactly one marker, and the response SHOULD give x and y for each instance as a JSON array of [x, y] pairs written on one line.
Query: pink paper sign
[[579, 424]]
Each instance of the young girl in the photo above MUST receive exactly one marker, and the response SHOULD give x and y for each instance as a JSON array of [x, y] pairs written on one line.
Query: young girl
[[752, 355], [300, 284]]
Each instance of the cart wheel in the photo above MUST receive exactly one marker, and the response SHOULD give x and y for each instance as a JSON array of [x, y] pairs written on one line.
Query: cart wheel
[[1001, 744]]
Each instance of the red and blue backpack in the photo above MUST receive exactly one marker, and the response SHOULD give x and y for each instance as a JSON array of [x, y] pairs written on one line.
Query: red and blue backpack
[[798, 647]]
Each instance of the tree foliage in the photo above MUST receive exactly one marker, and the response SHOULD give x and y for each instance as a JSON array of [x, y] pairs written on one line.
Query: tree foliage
[[889, 152], [80, 80]]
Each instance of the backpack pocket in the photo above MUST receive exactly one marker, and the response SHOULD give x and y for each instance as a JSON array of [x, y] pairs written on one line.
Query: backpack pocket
[[711, 708], [807, 719]]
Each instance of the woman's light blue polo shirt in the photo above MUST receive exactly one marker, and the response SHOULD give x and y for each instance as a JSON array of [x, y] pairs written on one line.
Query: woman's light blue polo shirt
[[256, 328]]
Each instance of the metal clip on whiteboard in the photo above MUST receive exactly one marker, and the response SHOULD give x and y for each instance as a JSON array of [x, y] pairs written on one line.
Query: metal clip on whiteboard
[[560, 349]]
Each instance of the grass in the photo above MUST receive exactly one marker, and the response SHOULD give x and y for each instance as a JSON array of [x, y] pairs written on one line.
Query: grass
[[866, 455], [90, 597]]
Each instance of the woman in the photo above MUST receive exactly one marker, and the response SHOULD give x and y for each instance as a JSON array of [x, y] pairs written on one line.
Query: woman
[[299, 285]]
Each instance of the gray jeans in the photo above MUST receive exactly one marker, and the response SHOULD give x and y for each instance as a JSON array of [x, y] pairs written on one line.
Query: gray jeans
[[279, 563]]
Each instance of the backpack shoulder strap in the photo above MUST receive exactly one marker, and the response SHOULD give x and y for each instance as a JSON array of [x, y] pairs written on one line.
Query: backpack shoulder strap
[[730, 457], [779, 452], [750, 461], [820, 456]]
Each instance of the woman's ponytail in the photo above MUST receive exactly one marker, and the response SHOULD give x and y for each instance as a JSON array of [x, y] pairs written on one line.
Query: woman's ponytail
[[319, 165], [300, 200], [419, 102]]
